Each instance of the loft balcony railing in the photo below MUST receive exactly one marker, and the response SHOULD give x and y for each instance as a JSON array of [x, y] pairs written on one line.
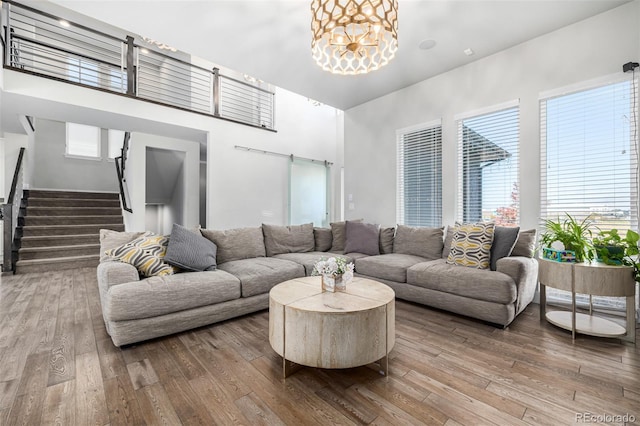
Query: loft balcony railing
[[39, 43]]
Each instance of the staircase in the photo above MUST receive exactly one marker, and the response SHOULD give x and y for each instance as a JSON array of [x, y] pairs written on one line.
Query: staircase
[[61, 229]]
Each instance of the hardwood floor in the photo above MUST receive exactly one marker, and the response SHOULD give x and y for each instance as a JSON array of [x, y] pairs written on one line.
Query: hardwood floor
[[58, 366]]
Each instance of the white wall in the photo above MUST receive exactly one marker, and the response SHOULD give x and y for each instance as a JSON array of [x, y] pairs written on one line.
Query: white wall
[[243, 188], [12, 143], [136, 180], [52, 169], [589, 49]]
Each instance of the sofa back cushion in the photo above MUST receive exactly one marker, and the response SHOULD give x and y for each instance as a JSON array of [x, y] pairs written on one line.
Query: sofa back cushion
[[323, 239], [448, 237], [288, 239], [418, 241], [111, 239], [525, 244], [386, 240], [362, 238], [236, 244], [338, 230]]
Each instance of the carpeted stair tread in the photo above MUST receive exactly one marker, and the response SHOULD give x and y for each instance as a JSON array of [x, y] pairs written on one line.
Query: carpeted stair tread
[[71, 220], [59, 240], [31, 253], [42, 193], [73, 211], [71, 202], [56, 264], [38, 230]]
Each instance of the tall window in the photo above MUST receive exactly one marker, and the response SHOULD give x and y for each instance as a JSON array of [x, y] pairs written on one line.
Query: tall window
[[83, 141], [588, 158], [419, 192], [589, 165], [488, 162]]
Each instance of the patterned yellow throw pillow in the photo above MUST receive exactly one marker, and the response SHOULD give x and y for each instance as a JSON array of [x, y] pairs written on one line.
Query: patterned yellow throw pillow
[[146, 253], [471, 245]]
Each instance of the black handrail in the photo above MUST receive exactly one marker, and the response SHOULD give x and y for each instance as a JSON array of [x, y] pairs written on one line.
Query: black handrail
[[120, 162], [16, 174]]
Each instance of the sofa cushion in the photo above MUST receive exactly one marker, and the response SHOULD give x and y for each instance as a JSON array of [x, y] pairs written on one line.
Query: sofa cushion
[[386, 240], [308, 260], [259, 274], [338, 231], [362, 238], [482, 284], [471, 245], [448, 238], [190, 251], [525, 244], [235, 244], [418, 241], [391, 267], [146, 253], [288, 239], [504, 238], [156, 296], [110, 239], [323, 239]]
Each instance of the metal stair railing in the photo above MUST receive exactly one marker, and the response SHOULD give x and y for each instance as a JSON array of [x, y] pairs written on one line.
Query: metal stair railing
[[9, 214], [121, 162]]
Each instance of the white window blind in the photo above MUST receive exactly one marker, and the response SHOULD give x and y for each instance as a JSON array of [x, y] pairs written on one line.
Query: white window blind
[[419, 189], [83, 141], [588, 157], [589, 164], [488, 163]]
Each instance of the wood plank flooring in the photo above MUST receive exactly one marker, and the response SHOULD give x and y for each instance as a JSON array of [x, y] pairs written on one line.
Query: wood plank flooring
[[58, 366]]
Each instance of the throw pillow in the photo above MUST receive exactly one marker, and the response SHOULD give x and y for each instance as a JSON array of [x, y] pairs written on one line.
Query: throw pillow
[[190, 251], [288, 239], [386, 240], [236, 244], [504, 238], [451, 230], [525, 244], [323, 239], [339, 236], [471, 245], [362, 238], [418, 241], [110, 239], [146, 253]]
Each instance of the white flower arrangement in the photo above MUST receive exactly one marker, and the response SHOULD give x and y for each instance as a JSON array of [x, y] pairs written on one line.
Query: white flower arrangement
[[334, 267]]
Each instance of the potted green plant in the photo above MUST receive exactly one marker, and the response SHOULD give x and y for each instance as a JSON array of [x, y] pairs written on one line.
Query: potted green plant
[[573, 234], [614, 249]]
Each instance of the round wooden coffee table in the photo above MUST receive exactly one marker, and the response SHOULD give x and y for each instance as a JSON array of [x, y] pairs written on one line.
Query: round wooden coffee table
[[332, 330]]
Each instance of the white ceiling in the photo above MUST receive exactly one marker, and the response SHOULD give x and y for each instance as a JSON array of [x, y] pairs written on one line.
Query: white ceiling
[[270, 39]]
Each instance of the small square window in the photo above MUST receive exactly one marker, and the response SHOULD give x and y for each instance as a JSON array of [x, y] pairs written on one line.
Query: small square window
[[83, 141]]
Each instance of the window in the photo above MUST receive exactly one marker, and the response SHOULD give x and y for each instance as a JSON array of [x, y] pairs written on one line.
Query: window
[[588, 160], [83, 141], [116, 138], [488, 163], [419, 191]]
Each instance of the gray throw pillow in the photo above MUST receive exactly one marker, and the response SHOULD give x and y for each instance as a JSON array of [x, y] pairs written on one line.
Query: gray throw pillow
[[525, 244], [288, 239], [386, 240], [419, 241], [362, 238], [323, 239], [190, 251], [504, 239], [236, 244]]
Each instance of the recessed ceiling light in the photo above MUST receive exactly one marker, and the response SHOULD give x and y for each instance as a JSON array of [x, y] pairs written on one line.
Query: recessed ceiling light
[[468, 51], [144, 51], [426, 44], [64, 23]]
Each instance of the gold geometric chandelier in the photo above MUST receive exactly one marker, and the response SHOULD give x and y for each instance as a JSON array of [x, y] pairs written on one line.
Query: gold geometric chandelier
[[354, 36]]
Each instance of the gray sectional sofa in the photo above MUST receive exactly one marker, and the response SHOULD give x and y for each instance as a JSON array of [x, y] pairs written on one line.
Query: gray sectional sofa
[[253, 260]]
